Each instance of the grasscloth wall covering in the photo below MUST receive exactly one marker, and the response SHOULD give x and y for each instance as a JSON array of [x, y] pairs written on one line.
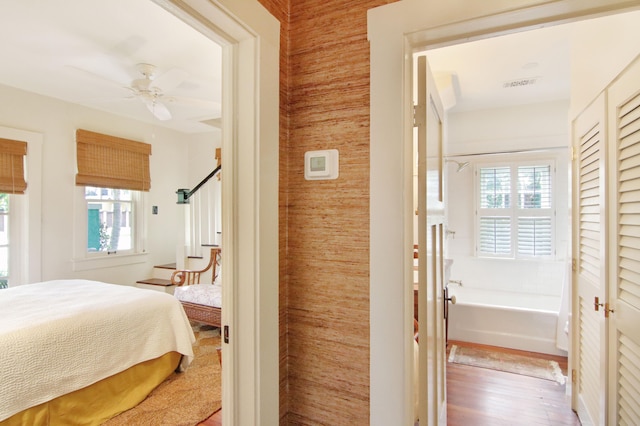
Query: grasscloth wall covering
[[324, 225]]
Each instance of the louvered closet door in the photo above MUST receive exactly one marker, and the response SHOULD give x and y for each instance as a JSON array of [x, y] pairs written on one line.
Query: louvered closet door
[[589, 268], [624, 322]]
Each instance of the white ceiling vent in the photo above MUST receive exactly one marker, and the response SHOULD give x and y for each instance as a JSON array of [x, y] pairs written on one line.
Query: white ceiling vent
[[521, 82]]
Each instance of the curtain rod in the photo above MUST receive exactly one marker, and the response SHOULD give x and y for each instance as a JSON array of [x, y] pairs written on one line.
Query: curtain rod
[[519, 151]]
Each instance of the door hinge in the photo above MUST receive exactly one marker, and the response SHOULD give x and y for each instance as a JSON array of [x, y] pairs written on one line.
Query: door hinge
[[573, 153], [419, 112], [226, 334], [574, 376], [574, 265]]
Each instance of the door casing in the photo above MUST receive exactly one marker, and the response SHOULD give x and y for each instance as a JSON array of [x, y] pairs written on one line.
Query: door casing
[[395, 32]]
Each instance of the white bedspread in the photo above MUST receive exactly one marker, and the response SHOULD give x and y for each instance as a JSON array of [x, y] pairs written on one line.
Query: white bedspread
[[60, 336]]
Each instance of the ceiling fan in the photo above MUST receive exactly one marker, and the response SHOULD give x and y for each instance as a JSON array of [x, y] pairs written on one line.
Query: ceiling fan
[[149, 87], [152, 89]]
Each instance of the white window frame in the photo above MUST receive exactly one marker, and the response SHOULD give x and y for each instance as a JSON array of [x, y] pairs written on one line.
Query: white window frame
[[514, 213], [85, 260], [8, 244], [135, 201], [25, 222]]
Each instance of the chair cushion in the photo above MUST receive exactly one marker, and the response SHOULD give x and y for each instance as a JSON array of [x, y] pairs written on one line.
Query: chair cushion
[[200, 294]]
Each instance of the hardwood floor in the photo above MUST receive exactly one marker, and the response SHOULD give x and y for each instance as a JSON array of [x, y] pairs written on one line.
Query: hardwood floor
[[214, 420], [483, 397]]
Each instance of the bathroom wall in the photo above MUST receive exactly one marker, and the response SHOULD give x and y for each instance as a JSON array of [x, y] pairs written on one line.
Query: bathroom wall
[[530, 127]]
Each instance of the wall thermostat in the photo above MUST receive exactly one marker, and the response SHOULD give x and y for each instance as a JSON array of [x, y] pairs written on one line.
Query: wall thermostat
[[321, 165]]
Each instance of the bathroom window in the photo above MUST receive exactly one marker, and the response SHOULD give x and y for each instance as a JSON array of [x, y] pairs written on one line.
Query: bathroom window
[[515, 210]]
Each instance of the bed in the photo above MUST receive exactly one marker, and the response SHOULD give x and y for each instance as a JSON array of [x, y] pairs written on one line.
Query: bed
[[81, 351], [201, 302]]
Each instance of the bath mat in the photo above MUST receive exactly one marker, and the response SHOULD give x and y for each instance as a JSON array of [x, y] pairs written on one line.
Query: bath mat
[[511, 363]]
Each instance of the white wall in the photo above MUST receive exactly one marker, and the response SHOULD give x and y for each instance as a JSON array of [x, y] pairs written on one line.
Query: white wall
[[57, 121], [528, 127], [600, 49], [205, 206]]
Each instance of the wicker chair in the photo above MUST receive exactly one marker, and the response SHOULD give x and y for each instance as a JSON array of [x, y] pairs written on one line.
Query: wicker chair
[[187, 277], [210, 315]]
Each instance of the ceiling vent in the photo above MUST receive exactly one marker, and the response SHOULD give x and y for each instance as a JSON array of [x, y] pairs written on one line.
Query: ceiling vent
[[521, 82]]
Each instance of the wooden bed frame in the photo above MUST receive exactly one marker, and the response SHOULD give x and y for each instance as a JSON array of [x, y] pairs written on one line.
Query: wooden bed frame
[[210, 315]]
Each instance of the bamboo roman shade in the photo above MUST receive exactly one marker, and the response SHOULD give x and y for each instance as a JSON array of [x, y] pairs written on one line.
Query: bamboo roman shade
[[111, 162], [12, 155]]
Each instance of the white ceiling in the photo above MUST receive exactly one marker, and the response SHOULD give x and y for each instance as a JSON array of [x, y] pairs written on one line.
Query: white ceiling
[[86, 51], [522, 68], [490, 73]]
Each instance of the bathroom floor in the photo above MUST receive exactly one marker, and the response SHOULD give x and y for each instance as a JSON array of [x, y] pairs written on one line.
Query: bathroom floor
[[483, 397]]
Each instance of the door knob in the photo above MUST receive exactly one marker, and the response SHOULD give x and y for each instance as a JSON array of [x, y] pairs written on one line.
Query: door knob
[[597, 304], [452, 299], [607, 309]]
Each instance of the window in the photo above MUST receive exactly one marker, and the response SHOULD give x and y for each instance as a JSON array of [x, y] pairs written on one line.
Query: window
[[516, 210], [113, 174], [110, 219], [12, 181]]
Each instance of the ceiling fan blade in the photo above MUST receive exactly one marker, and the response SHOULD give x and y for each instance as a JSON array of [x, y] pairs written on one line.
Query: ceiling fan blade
[[195, 102], [159, 110], [170, 79]]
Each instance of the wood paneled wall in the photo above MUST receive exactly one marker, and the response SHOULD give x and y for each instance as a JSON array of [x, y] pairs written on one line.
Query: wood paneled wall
[[324, 225]]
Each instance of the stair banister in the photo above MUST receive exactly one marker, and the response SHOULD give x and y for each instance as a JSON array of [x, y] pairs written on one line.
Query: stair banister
[[185, 194]]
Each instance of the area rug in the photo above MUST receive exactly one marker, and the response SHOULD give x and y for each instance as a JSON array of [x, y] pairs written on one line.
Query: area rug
[[511, 363], [183, 399]]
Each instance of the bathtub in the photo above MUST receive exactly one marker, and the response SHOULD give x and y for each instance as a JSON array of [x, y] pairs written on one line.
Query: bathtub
[[499, 318]]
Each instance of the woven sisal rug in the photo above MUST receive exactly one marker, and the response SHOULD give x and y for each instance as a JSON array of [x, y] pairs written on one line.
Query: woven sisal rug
[[183, 399], [511, 363]]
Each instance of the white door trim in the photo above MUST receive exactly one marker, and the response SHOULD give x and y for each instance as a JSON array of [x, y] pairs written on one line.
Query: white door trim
[[394, 32], [250, 37]]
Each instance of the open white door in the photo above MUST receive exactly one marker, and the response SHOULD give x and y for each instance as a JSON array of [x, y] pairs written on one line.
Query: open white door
[[623, 310], [589, 270], [429, 116]]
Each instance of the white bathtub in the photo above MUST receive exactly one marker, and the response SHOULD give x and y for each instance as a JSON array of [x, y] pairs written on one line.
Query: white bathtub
[[511, 320]]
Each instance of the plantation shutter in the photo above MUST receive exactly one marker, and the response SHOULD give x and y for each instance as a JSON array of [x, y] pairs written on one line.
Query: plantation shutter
[[495, 235], [534, 187], [535, 198], [495, 197], [12, 155], [111, 162], [495, 187], [515, 214], [534, 236]]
